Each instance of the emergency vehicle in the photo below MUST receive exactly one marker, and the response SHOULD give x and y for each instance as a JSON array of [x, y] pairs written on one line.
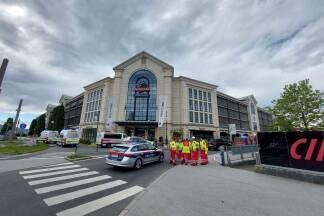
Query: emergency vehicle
[[48, 136], [106, 139], [134, 155], [68, 138]]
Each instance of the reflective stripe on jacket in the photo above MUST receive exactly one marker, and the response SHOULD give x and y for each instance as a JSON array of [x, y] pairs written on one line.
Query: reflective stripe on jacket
[[204, 146], [180, 146], [195, 145], [186, 147], [173, 145]]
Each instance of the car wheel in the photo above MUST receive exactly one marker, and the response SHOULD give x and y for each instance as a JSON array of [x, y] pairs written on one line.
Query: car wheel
[[138, 164], [161, 158]]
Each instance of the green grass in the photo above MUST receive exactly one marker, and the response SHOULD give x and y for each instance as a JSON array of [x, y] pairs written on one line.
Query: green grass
[[77, 156], [15, 147]]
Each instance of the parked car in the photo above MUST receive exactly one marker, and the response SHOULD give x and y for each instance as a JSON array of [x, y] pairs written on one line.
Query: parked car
[[133, 155], [214, 144], [134, 140], [48, 136], [106, 139], [68, 138]]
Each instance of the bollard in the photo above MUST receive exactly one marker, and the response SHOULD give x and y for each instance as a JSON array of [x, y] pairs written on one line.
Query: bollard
[[97, 147], [76, 148], [222, 158]]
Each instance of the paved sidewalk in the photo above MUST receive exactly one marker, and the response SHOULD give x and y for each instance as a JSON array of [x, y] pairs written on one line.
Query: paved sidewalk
[[215, 190]]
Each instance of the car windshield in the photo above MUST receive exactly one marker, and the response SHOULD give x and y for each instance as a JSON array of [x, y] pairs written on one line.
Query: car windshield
[[72, 135], [113, 136], [120, 148]]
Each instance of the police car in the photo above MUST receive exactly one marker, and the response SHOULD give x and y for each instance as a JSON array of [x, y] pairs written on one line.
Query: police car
[[134, 155]]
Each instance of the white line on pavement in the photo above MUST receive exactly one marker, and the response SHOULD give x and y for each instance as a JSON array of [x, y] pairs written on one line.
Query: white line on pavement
[[100, 203], [48, 169], [71, 184], [42, 181], [80, 193], [54, 173], [60, 164]]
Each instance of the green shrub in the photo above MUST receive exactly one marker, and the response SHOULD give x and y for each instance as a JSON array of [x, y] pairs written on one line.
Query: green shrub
[[85, 141]]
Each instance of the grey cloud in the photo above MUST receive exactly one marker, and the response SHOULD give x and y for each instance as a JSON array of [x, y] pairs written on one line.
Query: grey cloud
[[246, 47]]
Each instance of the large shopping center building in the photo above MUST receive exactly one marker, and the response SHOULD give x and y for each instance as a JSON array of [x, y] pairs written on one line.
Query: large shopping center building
[[144, 98]]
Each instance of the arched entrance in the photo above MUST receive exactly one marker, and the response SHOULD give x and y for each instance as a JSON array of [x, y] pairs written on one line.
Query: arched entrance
[[141, 105]]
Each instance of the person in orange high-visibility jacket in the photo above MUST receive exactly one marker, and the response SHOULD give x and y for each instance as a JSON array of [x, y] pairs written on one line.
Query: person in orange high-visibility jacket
[[173, 152], [186, 151], [204, 152], [194, 152], [179, 151]]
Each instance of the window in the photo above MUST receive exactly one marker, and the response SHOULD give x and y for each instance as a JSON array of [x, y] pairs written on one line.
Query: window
[[252, 109], [141, 97], [196, 105], [93, 106], [209, 107], [201, 117], [196, 117], [195, 94], [134, 149], [190, 105], [190, 116], [206, 118], [200, 103], [205, 107], [201, 106], [210, 119]]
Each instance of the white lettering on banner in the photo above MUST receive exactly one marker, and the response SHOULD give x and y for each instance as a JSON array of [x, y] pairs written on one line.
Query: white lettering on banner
[[162, 110], [111, 102]]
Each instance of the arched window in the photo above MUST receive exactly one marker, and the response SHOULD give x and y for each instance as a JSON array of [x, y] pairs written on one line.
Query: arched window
[[141, 97]]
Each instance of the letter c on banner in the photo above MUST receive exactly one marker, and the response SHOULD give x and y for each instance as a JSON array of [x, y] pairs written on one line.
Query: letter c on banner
[[294, 146]]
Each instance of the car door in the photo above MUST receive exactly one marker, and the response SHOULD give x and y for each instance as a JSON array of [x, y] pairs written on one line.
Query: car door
[[154, 153], [143, 150]]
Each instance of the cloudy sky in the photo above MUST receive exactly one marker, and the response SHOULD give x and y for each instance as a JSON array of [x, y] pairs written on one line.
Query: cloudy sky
[[245, 47]]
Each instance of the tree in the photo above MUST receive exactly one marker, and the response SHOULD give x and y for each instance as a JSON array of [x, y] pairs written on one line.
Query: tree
[[40, 124], [32, 127], [56, 120], [299, 106], [7, 125]]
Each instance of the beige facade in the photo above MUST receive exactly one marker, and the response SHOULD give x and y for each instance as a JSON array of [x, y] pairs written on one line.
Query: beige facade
[[175, 89]]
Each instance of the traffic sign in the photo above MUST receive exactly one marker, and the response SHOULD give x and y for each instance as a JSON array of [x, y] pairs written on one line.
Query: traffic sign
[[22, 126], [231, 129]]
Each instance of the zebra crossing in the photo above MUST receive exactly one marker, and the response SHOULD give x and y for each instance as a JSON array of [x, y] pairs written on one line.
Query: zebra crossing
[[65, 182]]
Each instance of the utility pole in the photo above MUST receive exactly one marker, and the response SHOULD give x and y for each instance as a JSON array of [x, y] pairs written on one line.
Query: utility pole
[[13, 130], [3, 70]]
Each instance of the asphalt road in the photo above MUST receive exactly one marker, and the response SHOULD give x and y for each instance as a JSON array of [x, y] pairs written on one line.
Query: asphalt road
[[20, 198]]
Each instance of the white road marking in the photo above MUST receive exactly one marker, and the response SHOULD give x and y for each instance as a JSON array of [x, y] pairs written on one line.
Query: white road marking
[[71, 184], [60, 164], [48, 169], [80, 193], [54, 173], [42, 181], [100, 203]]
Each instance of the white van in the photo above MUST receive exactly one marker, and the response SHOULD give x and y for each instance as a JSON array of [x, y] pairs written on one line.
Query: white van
[[48, 136], [105, 139], [69, 138]]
